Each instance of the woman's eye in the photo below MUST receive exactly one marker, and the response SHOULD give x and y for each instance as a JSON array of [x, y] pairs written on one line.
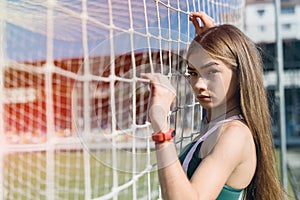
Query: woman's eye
[[211, 72], [192, 73]]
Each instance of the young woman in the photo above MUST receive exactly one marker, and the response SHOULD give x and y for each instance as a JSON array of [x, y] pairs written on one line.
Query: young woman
[[233, 156]]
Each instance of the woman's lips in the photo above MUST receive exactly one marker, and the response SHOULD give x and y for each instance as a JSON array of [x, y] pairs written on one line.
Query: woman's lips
[[202, 97]]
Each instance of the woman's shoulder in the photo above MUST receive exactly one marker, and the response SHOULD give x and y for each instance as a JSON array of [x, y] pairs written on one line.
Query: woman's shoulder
[[231, 136], [235, 130], [237, 141], [234, 150], [235, 136]]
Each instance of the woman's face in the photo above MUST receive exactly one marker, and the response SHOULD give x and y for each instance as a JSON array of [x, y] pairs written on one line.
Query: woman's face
[[214, 83]]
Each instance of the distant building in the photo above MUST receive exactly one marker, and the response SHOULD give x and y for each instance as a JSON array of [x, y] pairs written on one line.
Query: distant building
[[260, 27]]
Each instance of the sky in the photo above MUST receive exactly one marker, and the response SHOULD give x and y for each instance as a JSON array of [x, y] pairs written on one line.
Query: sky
[[26, 26]]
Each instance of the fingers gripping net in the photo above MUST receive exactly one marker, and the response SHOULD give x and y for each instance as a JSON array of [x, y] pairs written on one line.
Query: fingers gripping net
[[73, 106]]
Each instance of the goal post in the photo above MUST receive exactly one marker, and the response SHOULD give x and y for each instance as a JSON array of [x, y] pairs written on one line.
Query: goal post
[[73, 105]]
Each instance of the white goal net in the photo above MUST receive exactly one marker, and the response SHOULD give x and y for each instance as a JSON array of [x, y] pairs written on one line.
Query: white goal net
[[73, 108]]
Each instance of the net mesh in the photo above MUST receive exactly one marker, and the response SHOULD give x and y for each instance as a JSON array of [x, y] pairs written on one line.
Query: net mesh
[[73, 106]]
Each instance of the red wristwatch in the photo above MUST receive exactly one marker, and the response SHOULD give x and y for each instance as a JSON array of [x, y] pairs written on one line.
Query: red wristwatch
[[161, 137]]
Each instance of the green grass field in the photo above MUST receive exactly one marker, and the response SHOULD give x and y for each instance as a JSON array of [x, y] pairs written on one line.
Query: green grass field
[[25, 177]]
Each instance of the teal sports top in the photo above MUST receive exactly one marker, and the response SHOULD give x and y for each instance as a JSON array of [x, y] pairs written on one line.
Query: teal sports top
[[227, 192]]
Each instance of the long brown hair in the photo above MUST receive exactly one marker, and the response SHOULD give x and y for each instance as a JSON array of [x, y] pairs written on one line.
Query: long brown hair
[[229, 44]]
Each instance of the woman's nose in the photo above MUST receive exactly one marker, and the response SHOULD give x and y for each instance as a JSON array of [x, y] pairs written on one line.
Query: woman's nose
[[200, 83]]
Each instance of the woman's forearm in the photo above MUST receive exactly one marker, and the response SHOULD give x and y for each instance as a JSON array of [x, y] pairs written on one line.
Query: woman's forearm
[[174, 182]]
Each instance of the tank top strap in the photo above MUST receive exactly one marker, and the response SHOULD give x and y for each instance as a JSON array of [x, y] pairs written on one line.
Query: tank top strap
[[215, 126]]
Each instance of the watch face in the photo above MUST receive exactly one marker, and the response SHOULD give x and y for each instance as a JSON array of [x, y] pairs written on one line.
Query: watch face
[[173, 134]]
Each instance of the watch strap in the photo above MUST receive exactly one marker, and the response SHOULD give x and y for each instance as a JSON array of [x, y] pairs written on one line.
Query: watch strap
[[162, 137]]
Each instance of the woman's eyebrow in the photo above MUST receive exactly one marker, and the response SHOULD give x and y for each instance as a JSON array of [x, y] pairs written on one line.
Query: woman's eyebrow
[[203, 66], [209, 64]]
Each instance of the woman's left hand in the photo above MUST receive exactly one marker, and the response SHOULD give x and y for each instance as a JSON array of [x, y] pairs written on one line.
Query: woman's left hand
[[162, 96], [207, 21]]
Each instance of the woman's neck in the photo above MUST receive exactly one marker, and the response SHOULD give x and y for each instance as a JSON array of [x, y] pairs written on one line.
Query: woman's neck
[[214, 115]]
